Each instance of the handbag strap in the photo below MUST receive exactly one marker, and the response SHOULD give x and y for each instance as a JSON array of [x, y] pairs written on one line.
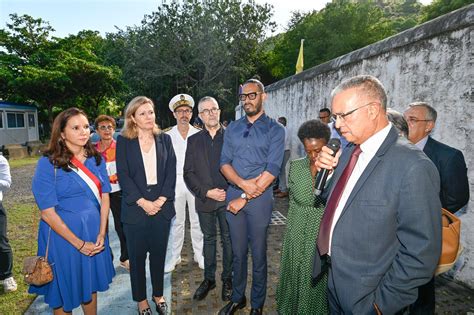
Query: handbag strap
[[47, 246], [49, 232]]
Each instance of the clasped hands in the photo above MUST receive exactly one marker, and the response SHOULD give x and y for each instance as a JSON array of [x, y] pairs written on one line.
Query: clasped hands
[[151, 207], [252, 188], [91, 249]]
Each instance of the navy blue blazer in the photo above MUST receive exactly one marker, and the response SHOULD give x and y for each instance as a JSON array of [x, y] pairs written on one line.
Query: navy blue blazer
[[132, 178], [454, 192]]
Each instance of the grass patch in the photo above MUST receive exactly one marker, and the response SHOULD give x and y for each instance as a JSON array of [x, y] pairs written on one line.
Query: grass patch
[[24, 161], [22, 232]]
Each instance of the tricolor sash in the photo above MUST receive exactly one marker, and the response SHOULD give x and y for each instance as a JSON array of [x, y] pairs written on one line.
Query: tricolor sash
[[89, 178]]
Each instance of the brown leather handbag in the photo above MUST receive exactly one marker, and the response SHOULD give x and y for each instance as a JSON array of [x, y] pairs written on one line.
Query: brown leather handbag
[[451, 247], [36, 269]]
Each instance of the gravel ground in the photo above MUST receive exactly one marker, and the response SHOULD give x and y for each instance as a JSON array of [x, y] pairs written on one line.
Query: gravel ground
[[451, 296], [20, 190]]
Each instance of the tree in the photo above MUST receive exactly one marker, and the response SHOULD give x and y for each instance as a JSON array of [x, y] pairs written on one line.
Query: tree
[[341, 27], [440, 7], [191, 47], [55, 73]]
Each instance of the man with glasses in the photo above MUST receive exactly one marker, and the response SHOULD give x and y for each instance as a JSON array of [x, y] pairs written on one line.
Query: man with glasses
[[251, 159], [203, 177], [454, 191], [326, 117], [105, 126], [380, 235], [182, 107]]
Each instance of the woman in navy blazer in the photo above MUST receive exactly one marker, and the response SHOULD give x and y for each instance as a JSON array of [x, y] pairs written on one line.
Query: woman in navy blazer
[[146, 168]]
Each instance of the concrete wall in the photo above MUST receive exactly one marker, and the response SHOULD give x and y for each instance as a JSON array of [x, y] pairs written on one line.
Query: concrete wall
[[432, 62]]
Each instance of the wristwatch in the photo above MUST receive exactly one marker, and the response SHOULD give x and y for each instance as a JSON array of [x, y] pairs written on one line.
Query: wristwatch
[[244, 196]]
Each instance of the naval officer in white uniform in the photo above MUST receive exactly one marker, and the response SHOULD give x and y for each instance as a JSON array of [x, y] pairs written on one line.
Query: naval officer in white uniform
[[182, 107]]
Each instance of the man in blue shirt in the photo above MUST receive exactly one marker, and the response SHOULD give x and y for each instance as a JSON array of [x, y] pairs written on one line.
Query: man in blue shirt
[[250, 160]]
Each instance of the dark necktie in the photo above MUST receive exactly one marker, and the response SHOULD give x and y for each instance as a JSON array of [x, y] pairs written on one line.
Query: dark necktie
[[326, 222]]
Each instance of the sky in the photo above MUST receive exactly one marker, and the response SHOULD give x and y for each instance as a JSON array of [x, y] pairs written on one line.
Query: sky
[[71, 16]]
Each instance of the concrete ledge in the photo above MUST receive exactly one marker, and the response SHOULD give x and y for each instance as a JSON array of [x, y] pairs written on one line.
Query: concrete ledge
[[36, 148], [16, 151], [452, 21]]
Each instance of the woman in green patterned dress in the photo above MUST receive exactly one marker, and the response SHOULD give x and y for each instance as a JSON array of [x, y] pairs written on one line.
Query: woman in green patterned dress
[[295, 292]]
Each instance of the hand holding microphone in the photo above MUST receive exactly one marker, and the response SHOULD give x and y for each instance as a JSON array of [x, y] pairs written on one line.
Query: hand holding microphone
[[327, 160]]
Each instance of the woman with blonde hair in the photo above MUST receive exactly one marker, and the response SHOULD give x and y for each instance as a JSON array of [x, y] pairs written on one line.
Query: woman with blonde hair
[[146, 167]]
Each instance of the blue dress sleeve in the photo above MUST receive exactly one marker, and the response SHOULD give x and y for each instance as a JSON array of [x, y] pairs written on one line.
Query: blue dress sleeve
[[44, 184]]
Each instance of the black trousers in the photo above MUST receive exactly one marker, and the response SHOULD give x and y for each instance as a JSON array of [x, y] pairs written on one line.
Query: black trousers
[[6, 255], [207, 221], [116, 207], [149, 237], [425, 304]]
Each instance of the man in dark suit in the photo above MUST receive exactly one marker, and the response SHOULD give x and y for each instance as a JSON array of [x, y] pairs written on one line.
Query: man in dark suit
[[204, 179], [380, 236], [454, 191]]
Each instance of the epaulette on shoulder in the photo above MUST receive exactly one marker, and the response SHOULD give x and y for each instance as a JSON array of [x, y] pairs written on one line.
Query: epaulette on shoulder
[[167, 129]]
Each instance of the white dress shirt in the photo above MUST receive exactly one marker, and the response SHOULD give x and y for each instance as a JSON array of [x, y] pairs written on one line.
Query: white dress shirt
[[421, 144], [369, 148], [180, 145]]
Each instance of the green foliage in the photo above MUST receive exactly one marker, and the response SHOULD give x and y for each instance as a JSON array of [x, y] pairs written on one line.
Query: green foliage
[[341, 27], [440, 7], [22, 230], [191, 47], [56, 73]]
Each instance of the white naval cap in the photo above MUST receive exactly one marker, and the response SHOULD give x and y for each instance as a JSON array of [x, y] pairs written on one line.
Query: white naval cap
[[181, 100]]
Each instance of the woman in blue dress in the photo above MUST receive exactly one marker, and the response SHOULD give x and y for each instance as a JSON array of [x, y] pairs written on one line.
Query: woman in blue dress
[[71, 188]]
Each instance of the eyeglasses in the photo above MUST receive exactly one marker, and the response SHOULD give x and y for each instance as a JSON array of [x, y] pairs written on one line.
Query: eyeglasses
[[210, 111], [251, 96], [322, 117], [413, 120], [103, 128], [342, 116], [247, 130], [183, 111]]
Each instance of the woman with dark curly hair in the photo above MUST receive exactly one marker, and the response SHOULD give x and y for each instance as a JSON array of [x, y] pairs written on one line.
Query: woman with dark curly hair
[[295, 293], [71, 188]]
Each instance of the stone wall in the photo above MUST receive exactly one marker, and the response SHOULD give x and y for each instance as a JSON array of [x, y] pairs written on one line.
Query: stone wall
[[432, 62]]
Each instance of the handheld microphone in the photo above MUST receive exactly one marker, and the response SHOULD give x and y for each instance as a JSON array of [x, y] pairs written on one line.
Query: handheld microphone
[[334, 144]]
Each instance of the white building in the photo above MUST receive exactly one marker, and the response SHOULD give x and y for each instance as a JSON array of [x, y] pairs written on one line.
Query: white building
[[18, 123]]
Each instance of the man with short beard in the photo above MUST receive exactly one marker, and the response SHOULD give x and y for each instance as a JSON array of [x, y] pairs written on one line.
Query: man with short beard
[[251, 159], [182, 107]]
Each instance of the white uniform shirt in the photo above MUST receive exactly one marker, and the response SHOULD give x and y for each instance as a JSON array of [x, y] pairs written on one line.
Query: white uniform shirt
[[180, 145], [369, 148]]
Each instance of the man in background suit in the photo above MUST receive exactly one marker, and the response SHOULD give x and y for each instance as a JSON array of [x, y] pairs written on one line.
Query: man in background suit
[[380, 236], [454, 191], [204, 179]]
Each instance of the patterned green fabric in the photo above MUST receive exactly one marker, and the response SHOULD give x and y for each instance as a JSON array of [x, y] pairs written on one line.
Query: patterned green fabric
[[295, 293]]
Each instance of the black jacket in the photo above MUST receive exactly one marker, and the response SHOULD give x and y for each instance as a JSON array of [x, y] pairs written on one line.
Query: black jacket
[[132, 177], [197, 170]]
